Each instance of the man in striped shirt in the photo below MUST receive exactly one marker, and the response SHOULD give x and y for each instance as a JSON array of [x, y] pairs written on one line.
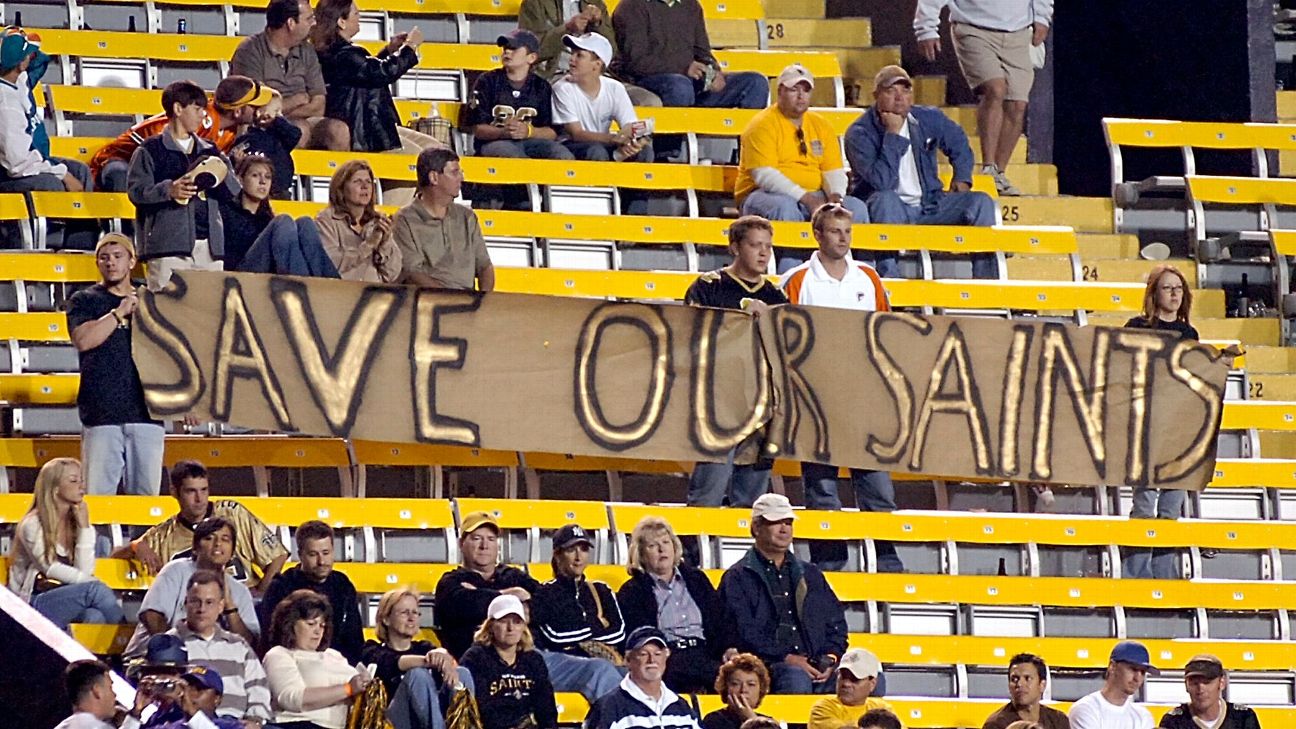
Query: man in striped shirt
[[247, 694]]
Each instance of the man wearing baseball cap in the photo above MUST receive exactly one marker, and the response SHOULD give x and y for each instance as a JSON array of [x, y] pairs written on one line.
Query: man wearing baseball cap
[[857, 679], [511, 108], [1113, 706], [1206, 681], [586, 103], [790, 162], [464, 593], [781, 608], [642, 698], [892, 152]]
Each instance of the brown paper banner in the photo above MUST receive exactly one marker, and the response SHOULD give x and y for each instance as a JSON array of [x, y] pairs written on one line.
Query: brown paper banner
[[958, 397]]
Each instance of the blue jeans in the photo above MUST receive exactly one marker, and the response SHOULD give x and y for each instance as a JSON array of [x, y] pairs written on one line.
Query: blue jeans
[[874, 491], [1156, 563], [289, 247], [80, 602], [592, 677], [525, 148], [745, 90], [773, 206], [47, 182], [132, 451], [786, 678], [112, 177], [417, 701], [952, 208], [711, 483]]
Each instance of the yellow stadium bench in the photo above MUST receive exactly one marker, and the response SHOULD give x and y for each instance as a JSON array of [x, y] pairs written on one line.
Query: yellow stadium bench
[[612, 469], [63, 267], [111, 640], [13, 206], [369, 578], [534, 517], [1253, 472], [614, 575], [436, 458], [77, 148], [38, 389], [34, 326], [113, 206], [738, 9]]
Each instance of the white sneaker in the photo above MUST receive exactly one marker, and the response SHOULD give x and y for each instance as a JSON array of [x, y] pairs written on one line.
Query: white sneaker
[[1002, 183]]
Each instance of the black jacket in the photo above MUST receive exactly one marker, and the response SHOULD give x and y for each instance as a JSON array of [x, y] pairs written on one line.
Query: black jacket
[[639, 605], [348, 631], [1238, 717], [509, 695], [276, 143], [164, 227], [241, 229], [358, 91], [460, 610], [565, 613], [749, 608], [386, 661]]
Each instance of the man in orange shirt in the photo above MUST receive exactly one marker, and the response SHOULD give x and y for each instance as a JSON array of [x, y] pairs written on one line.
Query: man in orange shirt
[[238, 100]]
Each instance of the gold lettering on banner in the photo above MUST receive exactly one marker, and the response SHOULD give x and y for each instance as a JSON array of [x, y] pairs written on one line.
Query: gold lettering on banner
[[708, 434], [179, 397], [795, 328], [895, 381], [1057, 348], [335, 381], [1203, 445], [966, 401], [241, 353], [429, 352], [589, 409], [1014, 386], [1143, 345]]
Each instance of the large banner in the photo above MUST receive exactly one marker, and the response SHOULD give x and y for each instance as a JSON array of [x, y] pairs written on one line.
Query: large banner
[[950, 396]]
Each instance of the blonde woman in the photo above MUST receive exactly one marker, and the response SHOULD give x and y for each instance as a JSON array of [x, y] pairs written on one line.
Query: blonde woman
[[514, 688], [356, 235], [419, 676], [677, 599], [52, 561]]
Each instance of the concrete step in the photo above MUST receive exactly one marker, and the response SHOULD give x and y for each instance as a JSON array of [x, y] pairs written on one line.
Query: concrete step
[[1286, 103], [1132, 271], [858, 65], [1085, 214], [1039, 268], [791, 32], [795, 8], [1277, 444], [725, 33], [1031, 179], [1251, 332], [1018, 154], [1270, 359], [1208, 304], [928, 91], [1271, 385], [1095, 246]]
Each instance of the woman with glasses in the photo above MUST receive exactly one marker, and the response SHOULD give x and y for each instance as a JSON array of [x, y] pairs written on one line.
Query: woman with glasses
[[419, 676]]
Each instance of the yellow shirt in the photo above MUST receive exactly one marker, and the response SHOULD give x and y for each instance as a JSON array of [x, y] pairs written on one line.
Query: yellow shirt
[[255, 544], [830, 713], [770, 140]]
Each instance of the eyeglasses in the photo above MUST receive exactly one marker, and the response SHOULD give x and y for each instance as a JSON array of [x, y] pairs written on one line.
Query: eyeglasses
[[1172, 289], [801, 141]]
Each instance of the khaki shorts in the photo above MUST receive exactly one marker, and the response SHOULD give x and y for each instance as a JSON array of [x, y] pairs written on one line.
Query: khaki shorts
[[985, 55], [159, 270]]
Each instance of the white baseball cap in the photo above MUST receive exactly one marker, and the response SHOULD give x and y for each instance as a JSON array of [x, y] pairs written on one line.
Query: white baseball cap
[[505, 605], [795, 74], [772, 507], [592, 42], [861, 663]]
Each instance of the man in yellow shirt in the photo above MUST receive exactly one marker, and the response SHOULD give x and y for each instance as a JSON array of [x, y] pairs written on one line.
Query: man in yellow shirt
[[790, 159], [857, 678]]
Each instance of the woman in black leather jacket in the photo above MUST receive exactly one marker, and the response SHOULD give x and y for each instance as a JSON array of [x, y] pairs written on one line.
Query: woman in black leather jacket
[[359, 84]]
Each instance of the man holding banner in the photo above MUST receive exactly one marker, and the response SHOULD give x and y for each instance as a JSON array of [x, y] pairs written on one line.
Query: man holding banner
[[832, 278]]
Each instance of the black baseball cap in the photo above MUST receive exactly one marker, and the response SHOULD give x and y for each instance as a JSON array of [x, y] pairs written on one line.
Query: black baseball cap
[[518, 38], [569, 536], [642, 636]]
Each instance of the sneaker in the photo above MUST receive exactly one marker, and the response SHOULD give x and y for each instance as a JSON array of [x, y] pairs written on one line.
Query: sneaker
[[1002, 183]]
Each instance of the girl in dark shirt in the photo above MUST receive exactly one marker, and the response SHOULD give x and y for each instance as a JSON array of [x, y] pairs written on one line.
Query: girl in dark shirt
[[513, 688], [1167, 301], [743, 682]]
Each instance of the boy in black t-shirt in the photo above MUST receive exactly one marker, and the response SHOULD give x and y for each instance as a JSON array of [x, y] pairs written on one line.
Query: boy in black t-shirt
[[511, 111], [118, 438], [740, 285]]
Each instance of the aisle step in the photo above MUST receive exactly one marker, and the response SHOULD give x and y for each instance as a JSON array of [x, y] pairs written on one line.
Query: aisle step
[[1280, 387], [788, 31], [1085, 214], [1270, 359], [1108, 245]]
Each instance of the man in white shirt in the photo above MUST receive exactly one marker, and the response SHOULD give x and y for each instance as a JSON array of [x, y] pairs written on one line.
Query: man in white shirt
[[1113, 706], [999, 44], [834, 279], [585, 103]]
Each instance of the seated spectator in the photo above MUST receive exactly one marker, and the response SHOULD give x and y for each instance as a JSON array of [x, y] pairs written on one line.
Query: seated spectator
[[1206, 681], [272, 136], [120, 440], [164, 602], [356, 235], [464, 594], [257, 240], [25, 161], [257, 548], [246, 695], [857, 679], [416, 674], [1114, 704], [577, 622], [283, 58], [315, 550], [359, 84], [664, 47], [515, 688], [441, 241], [676, 598], [781, 608], [511, 108], [586, 103], [642, 698], [202, 692], [234, 105], [550, 20], [892, 152], [88, 684], [790, 161], [309, 681], [740, 285], [884, 719], [834, 279], [1027, 681], [742, 684], [52, 558]]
